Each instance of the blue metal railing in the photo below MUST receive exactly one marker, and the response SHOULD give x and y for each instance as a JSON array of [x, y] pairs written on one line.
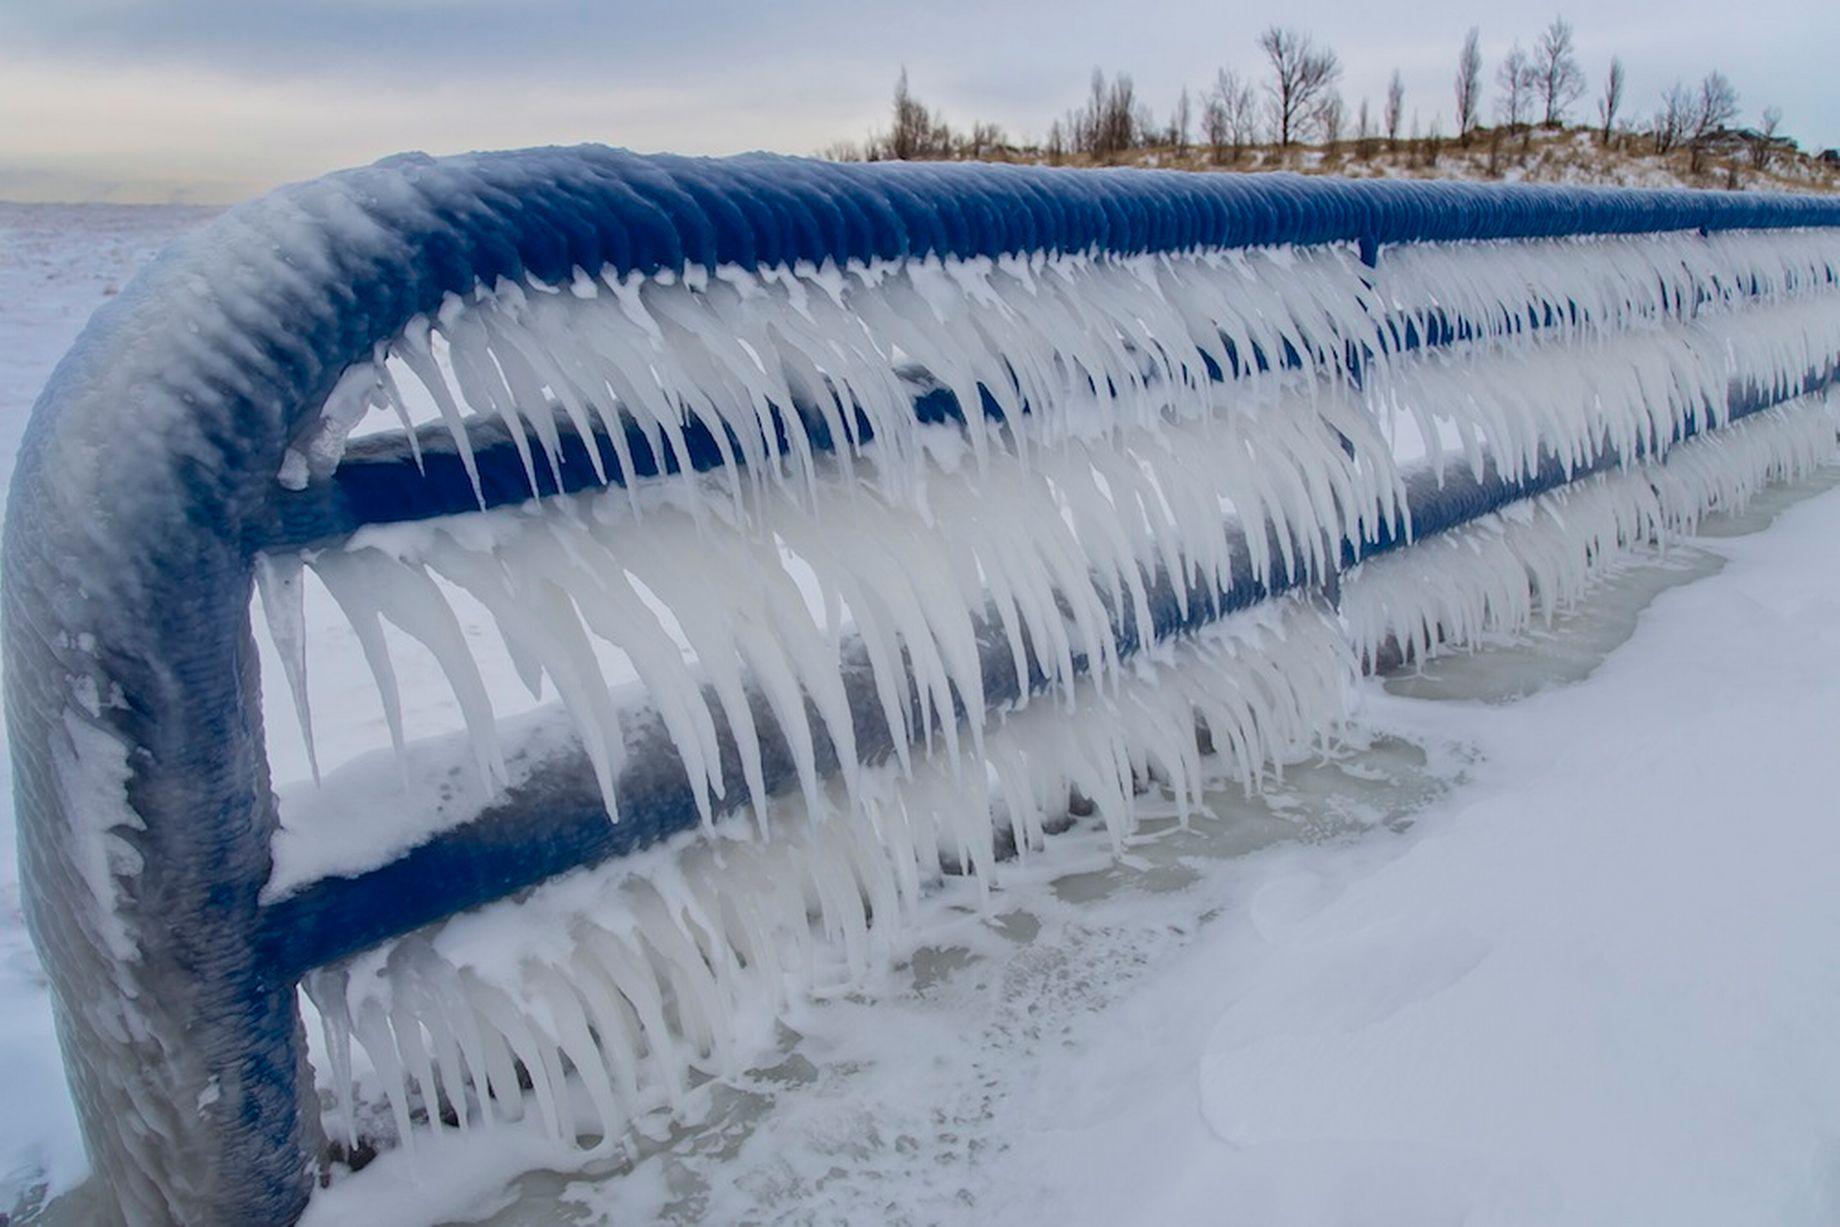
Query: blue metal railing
[[146, 488]]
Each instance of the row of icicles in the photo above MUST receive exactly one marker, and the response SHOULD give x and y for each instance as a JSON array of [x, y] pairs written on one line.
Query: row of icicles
[[1131, 462], [1058, 549], [1057, 346], [633, 980]]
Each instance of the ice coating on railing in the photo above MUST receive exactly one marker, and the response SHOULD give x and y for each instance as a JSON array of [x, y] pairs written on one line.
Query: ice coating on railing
[[1524, 306], [1031, 542], [1498, 573], [1061, 541], [671, 964], [157, 468], [1654, 378], [773, 366], [1605, 392]]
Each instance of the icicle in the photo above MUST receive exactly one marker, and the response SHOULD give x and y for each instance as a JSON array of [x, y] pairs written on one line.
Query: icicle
[[408, 597], [417, 353], [354, 597], [279, 581]]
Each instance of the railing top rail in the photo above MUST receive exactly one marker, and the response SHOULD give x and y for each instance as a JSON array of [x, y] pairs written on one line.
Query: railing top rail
[[236, 335]]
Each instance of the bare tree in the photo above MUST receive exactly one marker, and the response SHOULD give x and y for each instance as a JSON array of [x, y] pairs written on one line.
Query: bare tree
[[1238, 114], [1120, 127], [1610, 101], [984, 139], [1243, 109], [940, 143], [1469, 84], [1143, 125], [1301, 73], [1714, 106], [1087, 122], [1395, 110], [1768, 139], [1214, 128], [1112, 121], [1433, 146], [1180, 120], [1364, 132], [1056, 147], [1514, 76], [1674, 118], [1331, 114], [914, 127], [1557, 80]]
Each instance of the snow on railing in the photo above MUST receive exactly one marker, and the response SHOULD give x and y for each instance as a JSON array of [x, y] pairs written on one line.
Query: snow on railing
[[859, 521]]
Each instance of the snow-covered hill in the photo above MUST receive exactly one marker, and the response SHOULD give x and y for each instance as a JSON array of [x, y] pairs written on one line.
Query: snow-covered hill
[[1571, 155]]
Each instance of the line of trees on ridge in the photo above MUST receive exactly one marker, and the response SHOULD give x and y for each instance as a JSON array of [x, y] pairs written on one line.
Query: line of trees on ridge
[[1295, 100]]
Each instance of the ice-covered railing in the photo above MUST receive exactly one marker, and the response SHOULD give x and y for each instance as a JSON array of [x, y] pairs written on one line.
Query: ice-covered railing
[[900, 507]]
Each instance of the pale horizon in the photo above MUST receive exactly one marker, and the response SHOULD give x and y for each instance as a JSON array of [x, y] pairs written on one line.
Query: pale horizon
[[210, 102]]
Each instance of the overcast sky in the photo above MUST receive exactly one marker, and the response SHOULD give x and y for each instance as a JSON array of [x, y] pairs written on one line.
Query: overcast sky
[[215, 100]]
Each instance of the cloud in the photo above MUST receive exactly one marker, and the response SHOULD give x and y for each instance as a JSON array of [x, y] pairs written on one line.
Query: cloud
[[222, 98]]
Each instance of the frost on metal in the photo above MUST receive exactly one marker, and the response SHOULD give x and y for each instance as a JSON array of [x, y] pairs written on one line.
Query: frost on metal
[[844, 527]]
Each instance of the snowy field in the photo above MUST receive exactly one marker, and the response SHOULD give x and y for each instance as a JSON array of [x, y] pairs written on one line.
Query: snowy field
[[1549, 939], [58, 263]]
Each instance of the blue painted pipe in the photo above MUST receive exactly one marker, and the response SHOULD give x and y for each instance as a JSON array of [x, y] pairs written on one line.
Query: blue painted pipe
[[145, 487]]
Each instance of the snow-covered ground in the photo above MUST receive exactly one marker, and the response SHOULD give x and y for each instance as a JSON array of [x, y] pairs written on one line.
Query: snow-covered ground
[[58, 263], [1593, 984], [1565, 959]]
